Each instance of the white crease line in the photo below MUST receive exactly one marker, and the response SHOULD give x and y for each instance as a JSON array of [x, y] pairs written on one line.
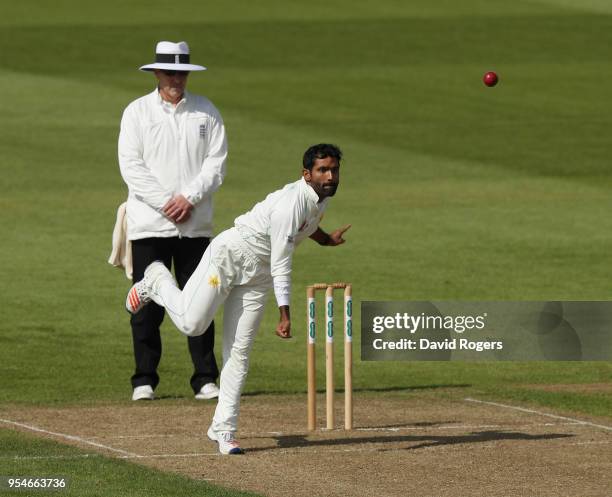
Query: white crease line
[[532, 411], [463, 427], [163, 456], [158, 435], [27, 458], [85, 456], [592, 443], [67, 437]]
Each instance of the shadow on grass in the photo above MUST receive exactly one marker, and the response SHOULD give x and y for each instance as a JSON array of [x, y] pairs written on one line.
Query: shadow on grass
[[422, 424], [412, 442], [363, 390]]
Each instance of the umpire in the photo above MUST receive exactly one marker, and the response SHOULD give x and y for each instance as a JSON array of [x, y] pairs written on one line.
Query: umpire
[[172, 155]]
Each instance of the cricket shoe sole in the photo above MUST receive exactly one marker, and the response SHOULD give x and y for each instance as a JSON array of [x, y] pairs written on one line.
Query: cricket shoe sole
[[137, 297], [140, 293]]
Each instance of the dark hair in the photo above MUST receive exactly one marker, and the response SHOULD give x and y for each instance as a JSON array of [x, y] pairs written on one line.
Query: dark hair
[[320, 151]]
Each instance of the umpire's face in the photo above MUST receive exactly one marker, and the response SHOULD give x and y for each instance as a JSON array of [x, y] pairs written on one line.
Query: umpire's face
[[171, 84], [324, 177]]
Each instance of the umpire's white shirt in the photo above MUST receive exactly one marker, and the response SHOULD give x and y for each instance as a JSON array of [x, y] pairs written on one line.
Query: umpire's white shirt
[[165, 150]]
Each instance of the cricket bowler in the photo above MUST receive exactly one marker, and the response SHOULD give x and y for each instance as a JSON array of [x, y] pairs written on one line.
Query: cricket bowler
[[238, 269]]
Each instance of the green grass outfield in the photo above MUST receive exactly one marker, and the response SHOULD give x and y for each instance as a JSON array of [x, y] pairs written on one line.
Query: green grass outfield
[[455, 191]]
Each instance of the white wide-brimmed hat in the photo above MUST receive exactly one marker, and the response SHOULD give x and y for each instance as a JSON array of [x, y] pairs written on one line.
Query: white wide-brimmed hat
[[172, 57]]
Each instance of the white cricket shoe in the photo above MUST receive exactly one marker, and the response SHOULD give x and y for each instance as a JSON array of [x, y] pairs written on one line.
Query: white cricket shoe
[[144, 392], [227, 443], [140, 293], [207, 392]]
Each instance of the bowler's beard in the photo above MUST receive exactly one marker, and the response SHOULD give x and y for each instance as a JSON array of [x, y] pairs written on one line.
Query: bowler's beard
[[331, 191], [324, 192]]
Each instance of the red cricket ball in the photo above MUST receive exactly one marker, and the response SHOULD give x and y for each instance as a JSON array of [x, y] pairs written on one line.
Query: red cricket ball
[[490, 78]]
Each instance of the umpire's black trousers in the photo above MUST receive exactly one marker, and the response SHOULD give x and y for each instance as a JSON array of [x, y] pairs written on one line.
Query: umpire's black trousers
[[185, 255]]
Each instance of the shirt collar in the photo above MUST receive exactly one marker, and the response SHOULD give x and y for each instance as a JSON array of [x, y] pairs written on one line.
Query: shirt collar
[[167, 105], [310, 193]]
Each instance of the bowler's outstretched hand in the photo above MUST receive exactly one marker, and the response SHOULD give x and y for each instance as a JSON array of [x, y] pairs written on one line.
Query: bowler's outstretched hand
[[335, 237]]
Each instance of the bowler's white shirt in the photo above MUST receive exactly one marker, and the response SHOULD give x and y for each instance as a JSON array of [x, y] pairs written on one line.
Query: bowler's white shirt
[[274, 227], [165, 150]]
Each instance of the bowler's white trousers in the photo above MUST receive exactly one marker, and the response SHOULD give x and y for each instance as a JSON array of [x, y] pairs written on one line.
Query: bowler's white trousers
[[228, 272]]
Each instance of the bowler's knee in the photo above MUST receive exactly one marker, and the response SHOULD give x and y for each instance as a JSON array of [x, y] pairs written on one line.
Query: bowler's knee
[[193, 328], [241, 353]]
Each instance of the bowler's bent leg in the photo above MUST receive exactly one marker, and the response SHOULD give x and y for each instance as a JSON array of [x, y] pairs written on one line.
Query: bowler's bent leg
[[193, 309], [244, 309]]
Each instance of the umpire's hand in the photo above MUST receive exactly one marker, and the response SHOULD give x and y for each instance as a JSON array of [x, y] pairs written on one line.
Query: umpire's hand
[[178, 209]]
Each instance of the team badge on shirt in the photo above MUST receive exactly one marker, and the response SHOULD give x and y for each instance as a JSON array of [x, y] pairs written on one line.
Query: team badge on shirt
[[202, 130], [214, 281]]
